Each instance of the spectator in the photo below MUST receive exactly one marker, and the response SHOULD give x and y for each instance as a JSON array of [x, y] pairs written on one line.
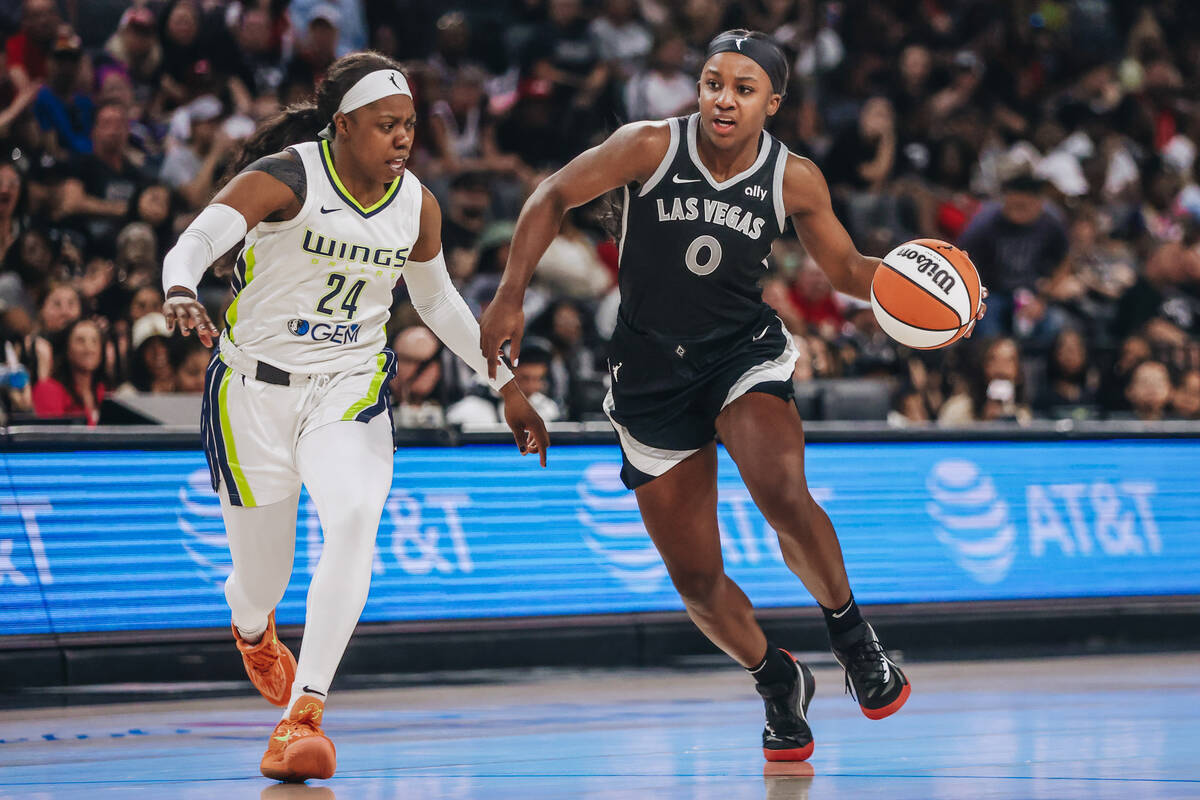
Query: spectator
[[29, 267], [1017, 245], [995, 390], [1185, 398], [190, 360], [259, 66], [463, 130], [187, 66], [345, 15], [864, 156], [415, 386], [317, 50], [1166, 288], [575, 377], [98, 194], [663, 88], [157, 206], [200, 153], [63, 112], [466, 214], [571, 266], [485, 407], [623, 39], [813, 295], [11, 210], [150, 368], [76, 386], [1149, 391], [27, 51], [1072, 381], [61, 308], [135, 47]]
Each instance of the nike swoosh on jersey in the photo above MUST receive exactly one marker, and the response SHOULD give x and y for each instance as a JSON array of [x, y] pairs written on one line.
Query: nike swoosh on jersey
[[755, 339], [325, 210], [676, 179]]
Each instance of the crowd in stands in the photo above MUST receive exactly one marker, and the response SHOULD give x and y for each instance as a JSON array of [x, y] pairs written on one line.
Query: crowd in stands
[[1054, 140]]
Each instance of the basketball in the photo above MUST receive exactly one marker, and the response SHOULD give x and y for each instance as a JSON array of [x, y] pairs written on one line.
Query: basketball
[[925, 294]]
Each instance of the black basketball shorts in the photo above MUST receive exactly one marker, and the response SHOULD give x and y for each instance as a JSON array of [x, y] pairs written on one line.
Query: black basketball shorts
[[666, 394]]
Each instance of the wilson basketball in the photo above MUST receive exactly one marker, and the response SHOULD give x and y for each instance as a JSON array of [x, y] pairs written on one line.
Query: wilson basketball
[[925, 294]]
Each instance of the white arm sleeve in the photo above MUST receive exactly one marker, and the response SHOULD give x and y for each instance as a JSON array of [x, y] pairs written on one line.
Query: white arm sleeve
[[211, 234], [445, 312]]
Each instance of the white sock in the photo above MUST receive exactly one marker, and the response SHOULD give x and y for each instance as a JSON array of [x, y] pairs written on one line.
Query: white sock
[[251, 637]]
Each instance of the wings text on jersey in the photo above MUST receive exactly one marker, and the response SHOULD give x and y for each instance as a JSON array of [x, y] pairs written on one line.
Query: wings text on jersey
[[715, 212], [326, 246]]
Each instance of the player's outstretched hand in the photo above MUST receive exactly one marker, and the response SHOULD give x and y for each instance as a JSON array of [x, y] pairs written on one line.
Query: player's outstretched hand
[[187, 312], [983, 293], [527, 426], [502, 321]]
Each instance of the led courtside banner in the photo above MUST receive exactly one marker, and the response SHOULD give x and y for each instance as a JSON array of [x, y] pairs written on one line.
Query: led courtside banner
[[127, 540]]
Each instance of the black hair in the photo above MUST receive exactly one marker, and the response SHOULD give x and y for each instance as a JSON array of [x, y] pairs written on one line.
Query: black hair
[[302, 122], [61, 369], [765, 51]]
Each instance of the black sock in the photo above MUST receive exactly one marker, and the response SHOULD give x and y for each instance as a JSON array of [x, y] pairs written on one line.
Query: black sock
[[775, 667], [841, 620]]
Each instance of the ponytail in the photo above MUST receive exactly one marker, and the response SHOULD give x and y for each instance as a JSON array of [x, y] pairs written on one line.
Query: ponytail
[[296, 123]]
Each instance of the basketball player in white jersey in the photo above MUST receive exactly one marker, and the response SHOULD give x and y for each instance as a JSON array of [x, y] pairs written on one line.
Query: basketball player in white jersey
[[297, 388]]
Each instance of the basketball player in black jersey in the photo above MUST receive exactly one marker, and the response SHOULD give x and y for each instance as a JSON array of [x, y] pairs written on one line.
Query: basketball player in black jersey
[[697, 354]]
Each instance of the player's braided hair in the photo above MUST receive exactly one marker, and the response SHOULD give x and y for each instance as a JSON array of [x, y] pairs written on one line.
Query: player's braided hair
[[302, 121]]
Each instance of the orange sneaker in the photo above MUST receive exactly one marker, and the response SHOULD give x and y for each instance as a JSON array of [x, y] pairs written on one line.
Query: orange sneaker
[[298, 750], [269, 664]]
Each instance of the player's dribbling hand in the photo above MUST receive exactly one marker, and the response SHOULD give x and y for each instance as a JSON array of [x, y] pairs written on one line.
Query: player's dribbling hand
[[983, 293], [527, 426], [187, 312], [502, 321]]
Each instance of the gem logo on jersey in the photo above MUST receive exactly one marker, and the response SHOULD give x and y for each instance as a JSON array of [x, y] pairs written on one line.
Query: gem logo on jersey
[[972, 520], [336, 333]]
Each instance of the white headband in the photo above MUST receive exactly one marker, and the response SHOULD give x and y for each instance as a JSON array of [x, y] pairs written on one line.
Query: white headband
[[369, 88]]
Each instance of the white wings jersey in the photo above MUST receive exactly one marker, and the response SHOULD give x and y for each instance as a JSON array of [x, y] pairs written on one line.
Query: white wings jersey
[[313, 294]]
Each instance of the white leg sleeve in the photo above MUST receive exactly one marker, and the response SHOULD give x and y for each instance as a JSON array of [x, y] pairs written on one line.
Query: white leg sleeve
[[262, 542], [347, 467]]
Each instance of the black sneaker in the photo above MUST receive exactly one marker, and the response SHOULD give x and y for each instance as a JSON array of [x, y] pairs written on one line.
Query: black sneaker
[[787, 736], [872, 678]]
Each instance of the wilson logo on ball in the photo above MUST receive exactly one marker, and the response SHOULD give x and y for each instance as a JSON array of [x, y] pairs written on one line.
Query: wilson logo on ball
[[940, 275]]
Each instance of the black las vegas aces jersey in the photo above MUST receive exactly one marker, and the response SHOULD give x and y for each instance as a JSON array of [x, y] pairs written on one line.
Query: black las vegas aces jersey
[[692, 249]]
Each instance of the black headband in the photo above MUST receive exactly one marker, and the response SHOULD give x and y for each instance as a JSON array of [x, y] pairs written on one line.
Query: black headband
[[763, 52]]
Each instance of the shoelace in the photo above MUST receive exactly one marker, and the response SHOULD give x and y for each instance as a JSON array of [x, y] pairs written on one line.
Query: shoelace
[[264, 660], [867, 657]]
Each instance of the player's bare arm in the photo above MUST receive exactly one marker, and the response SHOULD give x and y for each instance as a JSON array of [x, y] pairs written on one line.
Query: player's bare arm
[[630, 155], [527, 426], [256, 195], [807, 201]]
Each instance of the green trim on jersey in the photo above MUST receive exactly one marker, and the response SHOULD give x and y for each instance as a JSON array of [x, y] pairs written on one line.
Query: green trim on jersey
[[372, 390], [327, 159], [239, 477], [231, 314]]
